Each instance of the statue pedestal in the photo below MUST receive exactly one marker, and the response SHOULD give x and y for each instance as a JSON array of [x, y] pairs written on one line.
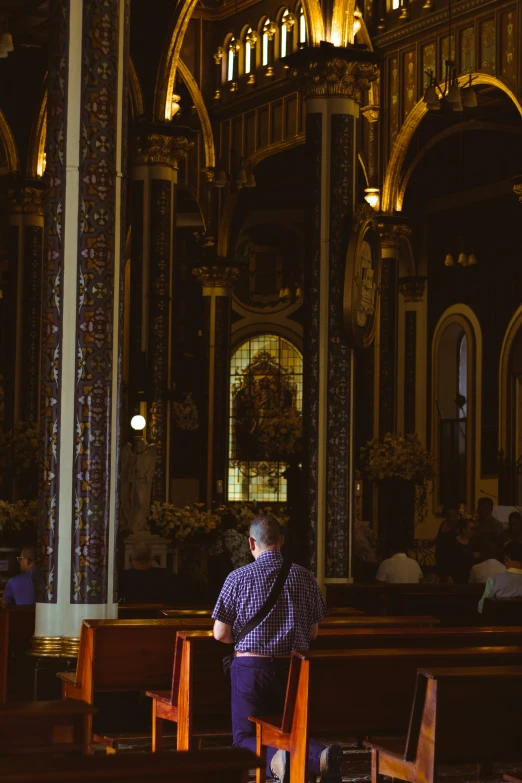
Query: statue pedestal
[[158, 544]]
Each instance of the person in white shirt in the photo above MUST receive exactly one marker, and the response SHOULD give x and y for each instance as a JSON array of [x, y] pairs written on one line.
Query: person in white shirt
[[508, 584], [488, 566], [399, 568]]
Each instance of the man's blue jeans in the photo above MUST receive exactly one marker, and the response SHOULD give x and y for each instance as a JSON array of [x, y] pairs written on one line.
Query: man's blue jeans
[[259, 688]]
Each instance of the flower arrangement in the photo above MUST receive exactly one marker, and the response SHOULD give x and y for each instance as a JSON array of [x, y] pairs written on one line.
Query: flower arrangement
[[282, 434], [185, 413], [182, 524], [245, 513], [19, 516], [19, 448], [400, 456]]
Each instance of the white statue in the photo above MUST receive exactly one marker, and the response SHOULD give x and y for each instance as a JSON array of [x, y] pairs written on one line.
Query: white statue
[[137, 470]]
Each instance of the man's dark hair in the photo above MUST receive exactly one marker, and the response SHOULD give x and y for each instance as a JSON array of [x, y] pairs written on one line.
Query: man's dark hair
[[265, 530], [513, 550], [30, 553], [485, 502]]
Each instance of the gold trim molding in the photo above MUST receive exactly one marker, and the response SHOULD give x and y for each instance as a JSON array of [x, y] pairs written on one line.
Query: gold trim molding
[[159, 148], [517, 190], [54, 647], [371, 112], [392, 233], [27, 201], [216, 276]]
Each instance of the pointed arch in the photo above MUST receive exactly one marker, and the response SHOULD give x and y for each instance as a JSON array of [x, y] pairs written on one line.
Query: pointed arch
[[36, 152], [168, 65], [392, 180], [199, 103], [135, 91], [8, 140]]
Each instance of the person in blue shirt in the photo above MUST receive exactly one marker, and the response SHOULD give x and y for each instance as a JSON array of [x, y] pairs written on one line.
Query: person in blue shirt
[[20, 589], [509, 583]]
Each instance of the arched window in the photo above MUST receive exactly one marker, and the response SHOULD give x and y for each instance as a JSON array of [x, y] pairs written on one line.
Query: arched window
[[249, 50], [265, 42], [302, 27], [231, 57], [287, 22], [266, 398], [455, 410]]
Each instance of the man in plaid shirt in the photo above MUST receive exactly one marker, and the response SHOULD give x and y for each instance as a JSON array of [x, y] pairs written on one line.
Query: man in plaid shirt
[[260, 668]]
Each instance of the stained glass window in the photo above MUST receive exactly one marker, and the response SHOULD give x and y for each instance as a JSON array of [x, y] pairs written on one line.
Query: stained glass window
[[266, 400]]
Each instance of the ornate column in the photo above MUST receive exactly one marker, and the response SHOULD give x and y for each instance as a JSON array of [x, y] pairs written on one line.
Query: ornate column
[[333, 81], [391, 234], [82, 325], [156, 152], [217, 281], [23, 302], [412, 291]]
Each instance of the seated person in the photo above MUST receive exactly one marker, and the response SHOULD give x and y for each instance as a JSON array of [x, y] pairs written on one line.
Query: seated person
[[487, 526], [508, 584], [20, 590], [488, 566], [464, 552], [399, 568], [514, 531], [144, 582]]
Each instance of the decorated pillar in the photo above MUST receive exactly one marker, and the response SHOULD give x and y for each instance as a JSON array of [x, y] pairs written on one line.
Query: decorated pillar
[[412, 355], [391, 233], [156, 153], [333, 81], [217, 281], [23, 302], [82, 324]]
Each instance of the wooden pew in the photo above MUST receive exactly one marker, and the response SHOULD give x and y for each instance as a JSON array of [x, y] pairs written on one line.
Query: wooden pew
[[199, 697], [514, 778], [124, 655], [451, 721], [364, 621], [16, 631], [357, 692], [358, 621], [150, 611], [45, 727], [480, 636], [505, 612], [219, 765], [450, 603]]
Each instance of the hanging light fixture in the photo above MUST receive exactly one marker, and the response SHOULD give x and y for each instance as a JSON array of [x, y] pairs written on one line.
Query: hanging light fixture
[[449, 260], [451, 93], [372, 197]]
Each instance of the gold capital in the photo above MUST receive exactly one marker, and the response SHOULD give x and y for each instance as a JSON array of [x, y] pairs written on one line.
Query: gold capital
[[412, 288], [517, 190], [216, 276], [27, 200], [160, 148], [392, 233], [371, 112], [335, 76]]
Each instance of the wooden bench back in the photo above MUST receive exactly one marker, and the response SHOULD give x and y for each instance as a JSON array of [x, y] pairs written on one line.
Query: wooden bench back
[[506, 612], [353, 638], [126, 655], [16, 631], [457, 707], [374, 621], [371, 690]]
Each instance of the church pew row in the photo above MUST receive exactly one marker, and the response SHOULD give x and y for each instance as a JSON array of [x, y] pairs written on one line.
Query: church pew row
[[359, 688], [220, 765], [450, 722], [151, 611], [361, 621], [16, 631], [452, 604], [45, 727], [361, 692]]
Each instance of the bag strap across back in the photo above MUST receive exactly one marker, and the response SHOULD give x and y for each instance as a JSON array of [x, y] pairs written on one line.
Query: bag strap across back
[[270, 602]]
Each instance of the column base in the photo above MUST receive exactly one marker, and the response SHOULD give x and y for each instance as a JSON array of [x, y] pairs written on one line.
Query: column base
[[54, 647]]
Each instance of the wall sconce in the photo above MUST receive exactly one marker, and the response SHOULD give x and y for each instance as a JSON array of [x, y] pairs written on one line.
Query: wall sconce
[[373, 197], [138, 422]]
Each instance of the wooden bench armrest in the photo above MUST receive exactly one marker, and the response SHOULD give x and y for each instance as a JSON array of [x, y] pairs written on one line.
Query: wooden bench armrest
[[272, 722], [68, 677]]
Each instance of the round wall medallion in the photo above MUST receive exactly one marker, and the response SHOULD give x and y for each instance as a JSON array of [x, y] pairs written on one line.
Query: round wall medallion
[[362, 278]]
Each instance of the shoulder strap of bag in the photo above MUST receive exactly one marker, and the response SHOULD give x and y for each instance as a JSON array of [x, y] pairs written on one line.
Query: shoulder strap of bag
[[269, 603]]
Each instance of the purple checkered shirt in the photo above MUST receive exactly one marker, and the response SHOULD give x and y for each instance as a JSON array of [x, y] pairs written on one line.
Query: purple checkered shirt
[[287, 627]]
